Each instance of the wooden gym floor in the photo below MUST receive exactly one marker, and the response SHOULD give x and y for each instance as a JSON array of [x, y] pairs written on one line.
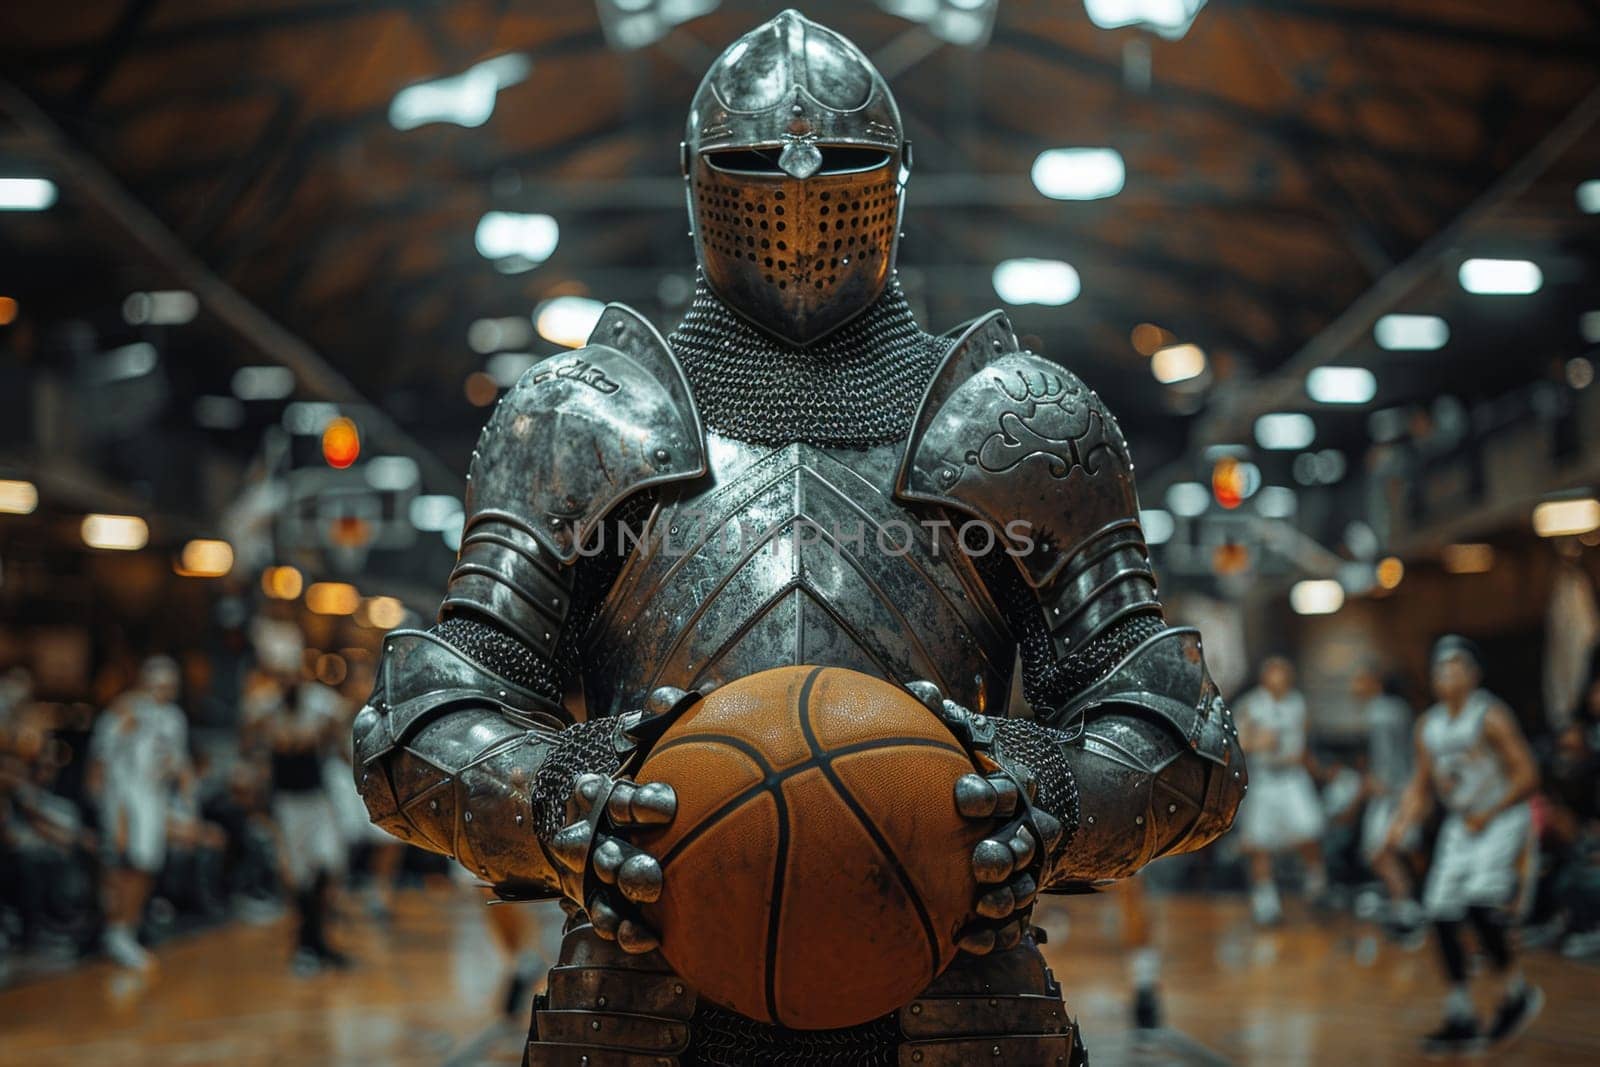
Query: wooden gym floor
[[1311, 992]]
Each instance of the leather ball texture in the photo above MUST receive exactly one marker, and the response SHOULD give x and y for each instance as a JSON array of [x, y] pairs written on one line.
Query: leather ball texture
[[817, 870]]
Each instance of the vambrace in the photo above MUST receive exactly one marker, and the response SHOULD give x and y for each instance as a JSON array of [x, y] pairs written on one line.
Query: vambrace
[[451, 756], [1157, 762]]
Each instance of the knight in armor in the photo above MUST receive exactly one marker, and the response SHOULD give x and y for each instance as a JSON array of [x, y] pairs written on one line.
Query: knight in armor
[[1472, 760], [798, 391]]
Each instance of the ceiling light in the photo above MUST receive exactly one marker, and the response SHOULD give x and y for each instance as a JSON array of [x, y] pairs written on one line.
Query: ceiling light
[[391, 474], [1037, 281], [1390, 571], [1588, 196], [567, 320], [1411, 333], [26, 194], [491, 335], [382, 613], [263, 383], [1341, 385], [507, 368], [1157, 524], [433, 512], [1316, 596], [333, 598], [1560, 518], [18, 497], [1276, 502], [169, 307], [1285, 430], [123, 533], [1079, 173], [1503, 277], [1178, 363], [1188, 499], [516, 241], [467, 99], [282, 583], [1168, 18], [202, 558]]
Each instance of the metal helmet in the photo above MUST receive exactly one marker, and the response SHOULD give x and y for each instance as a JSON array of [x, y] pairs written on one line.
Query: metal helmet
[[795, 162]]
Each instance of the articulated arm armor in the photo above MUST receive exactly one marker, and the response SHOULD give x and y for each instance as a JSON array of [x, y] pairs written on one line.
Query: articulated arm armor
[[465, 748], [1132, 742]]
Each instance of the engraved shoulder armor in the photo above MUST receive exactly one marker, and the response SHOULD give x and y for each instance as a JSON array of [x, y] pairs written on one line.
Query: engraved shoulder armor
[[577, 435], [1018, 441]]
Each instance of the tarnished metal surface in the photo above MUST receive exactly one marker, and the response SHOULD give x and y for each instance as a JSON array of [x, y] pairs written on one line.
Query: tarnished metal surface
[[779, 558], [1001, 1008], [796, 239], [583, 430]]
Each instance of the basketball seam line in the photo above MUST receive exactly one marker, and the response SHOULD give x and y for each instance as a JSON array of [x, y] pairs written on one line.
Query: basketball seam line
[[776, 778], [872, 830]]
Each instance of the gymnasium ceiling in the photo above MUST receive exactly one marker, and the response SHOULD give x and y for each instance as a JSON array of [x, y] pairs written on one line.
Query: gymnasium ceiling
[[1282, 158]]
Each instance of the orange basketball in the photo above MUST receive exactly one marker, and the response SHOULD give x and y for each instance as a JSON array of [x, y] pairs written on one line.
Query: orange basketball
[[817, 869]]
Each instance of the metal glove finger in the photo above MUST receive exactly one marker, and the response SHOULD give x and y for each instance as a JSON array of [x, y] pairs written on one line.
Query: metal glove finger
[[1049, 828], [1022, 846], [976, 797], [634, 937], [570, 846], [607, 858], [978, 940], [620, 801], [1024, 890], [1006, 793], [640, 878], [1008, 935], [928, 693], [605, 918], [997, 903], [587, 786], [650, 805], [992, 861]]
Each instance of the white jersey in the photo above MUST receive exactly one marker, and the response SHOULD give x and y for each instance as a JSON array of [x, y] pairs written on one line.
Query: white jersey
[[1284, 719], [1467, 774], [1389, 741], [140, 748]]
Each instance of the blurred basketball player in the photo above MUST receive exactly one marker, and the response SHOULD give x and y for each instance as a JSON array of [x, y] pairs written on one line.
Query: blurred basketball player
[[1472, 759], [1389, 767], [296, 722], [138, 751], [1281, 813]]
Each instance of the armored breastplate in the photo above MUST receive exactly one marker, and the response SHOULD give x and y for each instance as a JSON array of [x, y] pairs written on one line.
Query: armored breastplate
[[795, 555]]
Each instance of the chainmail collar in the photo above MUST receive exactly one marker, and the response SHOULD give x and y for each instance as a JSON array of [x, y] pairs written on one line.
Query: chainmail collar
[[855, 388]]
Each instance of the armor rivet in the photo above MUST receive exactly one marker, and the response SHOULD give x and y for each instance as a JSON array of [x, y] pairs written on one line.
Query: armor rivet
[[519, 818], [797, 110], [433, 805], [368, 774], [1091, 820], [595, 1025], [1236, 774], [555, 523], [916, 1009], [1171, 808], [998, 347], [618, 326], [995, 1051], [502, 693], [677, 988], [600, 1001], [662, 455], [467, 816], [1138, 820], [916, 1057], [993, 1003]]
